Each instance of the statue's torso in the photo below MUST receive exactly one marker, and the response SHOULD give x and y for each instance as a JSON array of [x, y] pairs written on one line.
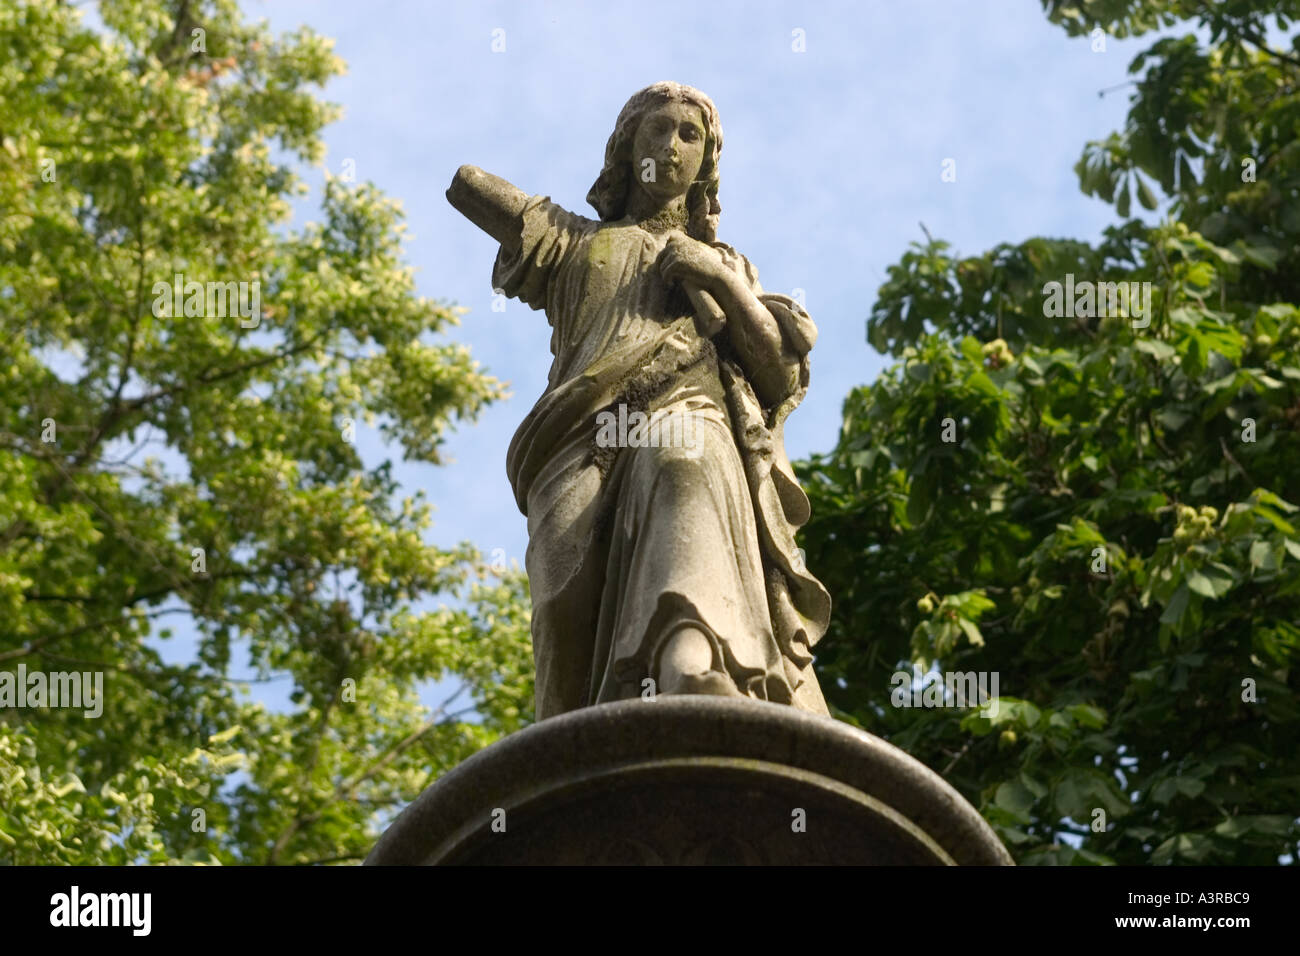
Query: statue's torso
[[609, 297]]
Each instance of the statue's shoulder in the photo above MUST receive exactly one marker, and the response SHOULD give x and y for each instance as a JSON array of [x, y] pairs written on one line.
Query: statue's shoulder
[[556, 215]]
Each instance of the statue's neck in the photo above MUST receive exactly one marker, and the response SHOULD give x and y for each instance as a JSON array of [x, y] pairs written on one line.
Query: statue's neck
[[656, 216]]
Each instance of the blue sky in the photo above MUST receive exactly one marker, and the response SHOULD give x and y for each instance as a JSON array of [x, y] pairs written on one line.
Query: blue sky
[[832, 158]]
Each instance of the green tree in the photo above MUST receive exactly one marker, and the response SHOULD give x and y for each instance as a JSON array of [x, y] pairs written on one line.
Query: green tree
[[166, 144], [1112, 526]]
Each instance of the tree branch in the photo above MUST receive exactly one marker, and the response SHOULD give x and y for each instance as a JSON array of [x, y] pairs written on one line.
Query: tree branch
[[1228, 455], [1261, 44]]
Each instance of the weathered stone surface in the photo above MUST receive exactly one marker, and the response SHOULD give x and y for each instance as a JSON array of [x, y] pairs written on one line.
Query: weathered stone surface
[[663, 564], [690, 780], [668, 567]]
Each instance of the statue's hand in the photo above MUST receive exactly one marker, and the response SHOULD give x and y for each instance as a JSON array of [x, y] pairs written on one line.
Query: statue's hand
[[688, 260]]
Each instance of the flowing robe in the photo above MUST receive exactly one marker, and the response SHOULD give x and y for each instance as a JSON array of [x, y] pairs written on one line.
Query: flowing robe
[[629, 544]]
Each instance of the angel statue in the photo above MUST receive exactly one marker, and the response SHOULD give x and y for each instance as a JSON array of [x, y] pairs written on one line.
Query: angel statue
[[656, 566]]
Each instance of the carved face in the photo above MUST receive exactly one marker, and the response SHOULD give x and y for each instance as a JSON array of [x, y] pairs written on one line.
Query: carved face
[[668, 150]]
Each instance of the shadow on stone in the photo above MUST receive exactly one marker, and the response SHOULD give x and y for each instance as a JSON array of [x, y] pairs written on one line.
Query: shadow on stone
[[690, 780]]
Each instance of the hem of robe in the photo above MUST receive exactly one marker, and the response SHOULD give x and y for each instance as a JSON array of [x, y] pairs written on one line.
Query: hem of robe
[[798, 604]]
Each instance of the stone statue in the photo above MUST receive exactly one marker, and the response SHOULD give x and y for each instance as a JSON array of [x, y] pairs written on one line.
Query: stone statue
[[656, 566]]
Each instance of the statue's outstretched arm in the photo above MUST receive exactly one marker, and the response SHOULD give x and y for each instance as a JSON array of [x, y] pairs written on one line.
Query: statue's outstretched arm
[[491, 203]]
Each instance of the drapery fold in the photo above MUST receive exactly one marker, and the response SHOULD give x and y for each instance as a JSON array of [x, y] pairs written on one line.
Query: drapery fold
[[628, 545]]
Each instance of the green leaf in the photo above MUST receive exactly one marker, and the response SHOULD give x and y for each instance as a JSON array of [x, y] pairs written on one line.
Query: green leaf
[[1177, 607], [224, 736], [1266, 825], [1199, 583], [1087, 715], [1261, 556], [920, 499], [1145, 195], [1015, 798], [1266, 257], [1162, 351], [971, 631]]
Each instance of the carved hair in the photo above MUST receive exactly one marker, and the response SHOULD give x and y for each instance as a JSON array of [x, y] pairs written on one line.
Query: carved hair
[[609, 194]]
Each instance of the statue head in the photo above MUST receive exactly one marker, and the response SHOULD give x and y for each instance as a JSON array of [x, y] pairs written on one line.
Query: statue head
[[623, 170]]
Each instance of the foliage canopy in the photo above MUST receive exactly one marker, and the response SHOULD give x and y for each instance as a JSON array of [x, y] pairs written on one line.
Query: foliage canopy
[[164, 144], [1113, 529]]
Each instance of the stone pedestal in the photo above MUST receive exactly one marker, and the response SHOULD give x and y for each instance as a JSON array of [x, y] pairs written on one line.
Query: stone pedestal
[[690, 780]]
